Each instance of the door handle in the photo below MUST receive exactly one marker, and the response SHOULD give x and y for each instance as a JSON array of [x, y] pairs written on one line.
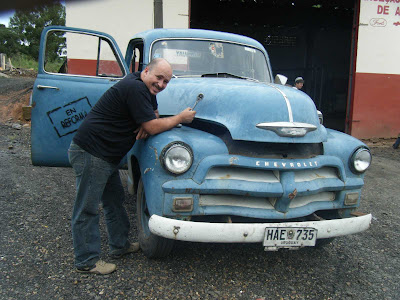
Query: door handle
[[39, 86]]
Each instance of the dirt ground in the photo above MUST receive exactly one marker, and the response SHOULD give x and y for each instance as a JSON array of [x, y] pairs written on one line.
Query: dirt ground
[[36, 259], [15, 93]]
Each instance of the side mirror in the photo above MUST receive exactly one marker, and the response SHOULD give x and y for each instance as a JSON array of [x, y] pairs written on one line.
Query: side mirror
[[280, 79]]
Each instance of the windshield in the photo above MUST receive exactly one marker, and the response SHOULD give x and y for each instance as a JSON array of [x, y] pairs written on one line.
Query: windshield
[[199, 57]]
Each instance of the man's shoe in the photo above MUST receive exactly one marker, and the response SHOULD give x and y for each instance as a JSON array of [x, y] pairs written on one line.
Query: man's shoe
[[134, 247], [101, 267]]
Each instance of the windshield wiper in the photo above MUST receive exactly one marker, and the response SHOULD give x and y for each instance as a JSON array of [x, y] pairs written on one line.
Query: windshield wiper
[[228, 75]]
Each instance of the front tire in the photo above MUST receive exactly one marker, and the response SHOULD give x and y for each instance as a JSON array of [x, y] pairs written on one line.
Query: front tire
[[153, 246]]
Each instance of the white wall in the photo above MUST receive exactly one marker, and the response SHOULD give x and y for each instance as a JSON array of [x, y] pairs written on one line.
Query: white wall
[[176, 13], [123, 18], [379, 37]]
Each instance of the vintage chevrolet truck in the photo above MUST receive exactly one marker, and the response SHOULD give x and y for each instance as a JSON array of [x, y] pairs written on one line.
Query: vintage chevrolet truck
[[255, 166]]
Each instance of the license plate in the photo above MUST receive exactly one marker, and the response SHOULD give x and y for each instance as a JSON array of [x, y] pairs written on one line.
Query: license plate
[[287, 237]]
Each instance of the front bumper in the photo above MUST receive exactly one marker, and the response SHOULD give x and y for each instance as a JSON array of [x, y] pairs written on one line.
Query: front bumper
[[249, 233]]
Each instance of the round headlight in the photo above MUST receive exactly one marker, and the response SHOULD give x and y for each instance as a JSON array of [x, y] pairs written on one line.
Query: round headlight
[[177, 157], [360, 160]]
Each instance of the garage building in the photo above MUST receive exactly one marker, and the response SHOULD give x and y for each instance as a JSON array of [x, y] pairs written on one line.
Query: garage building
[[345, 50]]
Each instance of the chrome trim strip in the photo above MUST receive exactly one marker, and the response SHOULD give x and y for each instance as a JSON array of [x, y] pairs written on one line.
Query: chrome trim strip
[[288, 105]]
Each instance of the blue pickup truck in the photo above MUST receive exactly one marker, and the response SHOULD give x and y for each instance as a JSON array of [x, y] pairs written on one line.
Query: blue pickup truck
[[255, 166]]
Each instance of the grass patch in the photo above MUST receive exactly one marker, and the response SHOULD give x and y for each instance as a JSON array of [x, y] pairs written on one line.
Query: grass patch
[[26, 62], [23, 61], [54, 66]]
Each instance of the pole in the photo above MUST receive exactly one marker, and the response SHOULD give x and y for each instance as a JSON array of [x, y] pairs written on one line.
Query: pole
[[158, 13]]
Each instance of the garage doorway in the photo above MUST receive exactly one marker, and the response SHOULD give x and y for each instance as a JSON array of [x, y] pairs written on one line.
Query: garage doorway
[[311, 39]]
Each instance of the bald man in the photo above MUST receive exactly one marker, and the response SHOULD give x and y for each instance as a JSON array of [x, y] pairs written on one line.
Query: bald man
[[125, 113]]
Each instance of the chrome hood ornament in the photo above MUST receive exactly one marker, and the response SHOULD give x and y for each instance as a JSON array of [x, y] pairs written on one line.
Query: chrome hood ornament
[[288, 129]]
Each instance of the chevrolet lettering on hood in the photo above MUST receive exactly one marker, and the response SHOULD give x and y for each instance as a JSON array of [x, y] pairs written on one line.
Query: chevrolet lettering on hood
[[292, 165]]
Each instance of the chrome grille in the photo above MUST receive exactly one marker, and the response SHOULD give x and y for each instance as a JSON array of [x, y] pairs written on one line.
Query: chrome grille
[[304, 200], [229, 173], [260, 202], [267, 176], [315, 174], [235, 200], [254, 175]]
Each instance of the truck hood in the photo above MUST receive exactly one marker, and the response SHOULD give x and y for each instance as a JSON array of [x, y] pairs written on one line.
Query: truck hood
[[251, 111]]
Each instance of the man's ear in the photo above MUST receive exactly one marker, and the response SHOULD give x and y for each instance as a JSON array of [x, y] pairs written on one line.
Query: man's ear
[[144, 73]]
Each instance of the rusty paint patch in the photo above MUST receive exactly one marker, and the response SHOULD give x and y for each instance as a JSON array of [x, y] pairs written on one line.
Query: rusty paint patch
[[293, 194], [227, 176], [358, 213], [319, 176], [148, 170], [232, 160], [176, 231], [155, 152]]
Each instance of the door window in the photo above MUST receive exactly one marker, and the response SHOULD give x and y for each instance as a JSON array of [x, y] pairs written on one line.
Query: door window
[[136, 63], [82, 54]]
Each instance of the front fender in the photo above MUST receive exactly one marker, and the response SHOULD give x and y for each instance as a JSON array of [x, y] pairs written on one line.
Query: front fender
[[148, 155], [342, 145]]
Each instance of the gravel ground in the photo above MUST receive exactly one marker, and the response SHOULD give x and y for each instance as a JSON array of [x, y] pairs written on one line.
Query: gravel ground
[[36, 260], [15, 84]]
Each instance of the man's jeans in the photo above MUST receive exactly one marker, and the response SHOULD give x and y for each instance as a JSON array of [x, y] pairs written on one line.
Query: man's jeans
[[96, 181]]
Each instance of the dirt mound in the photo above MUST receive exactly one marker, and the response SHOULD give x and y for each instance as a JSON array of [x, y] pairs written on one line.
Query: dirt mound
[[15, 93], [19, 72]]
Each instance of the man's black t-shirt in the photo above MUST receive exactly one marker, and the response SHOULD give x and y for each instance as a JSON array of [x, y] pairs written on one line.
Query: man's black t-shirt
[[108, 130]]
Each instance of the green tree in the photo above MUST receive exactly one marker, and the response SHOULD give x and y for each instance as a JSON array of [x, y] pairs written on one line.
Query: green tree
[[28, 26], [8, 41]]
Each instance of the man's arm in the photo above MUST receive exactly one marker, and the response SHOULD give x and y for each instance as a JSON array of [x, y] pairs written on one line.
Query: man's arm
[[141, 133], [155, 126]]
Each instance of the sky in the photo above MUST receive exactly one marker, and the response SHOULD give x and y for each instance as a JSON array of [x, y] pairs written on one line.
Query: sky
[[5, 17]]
